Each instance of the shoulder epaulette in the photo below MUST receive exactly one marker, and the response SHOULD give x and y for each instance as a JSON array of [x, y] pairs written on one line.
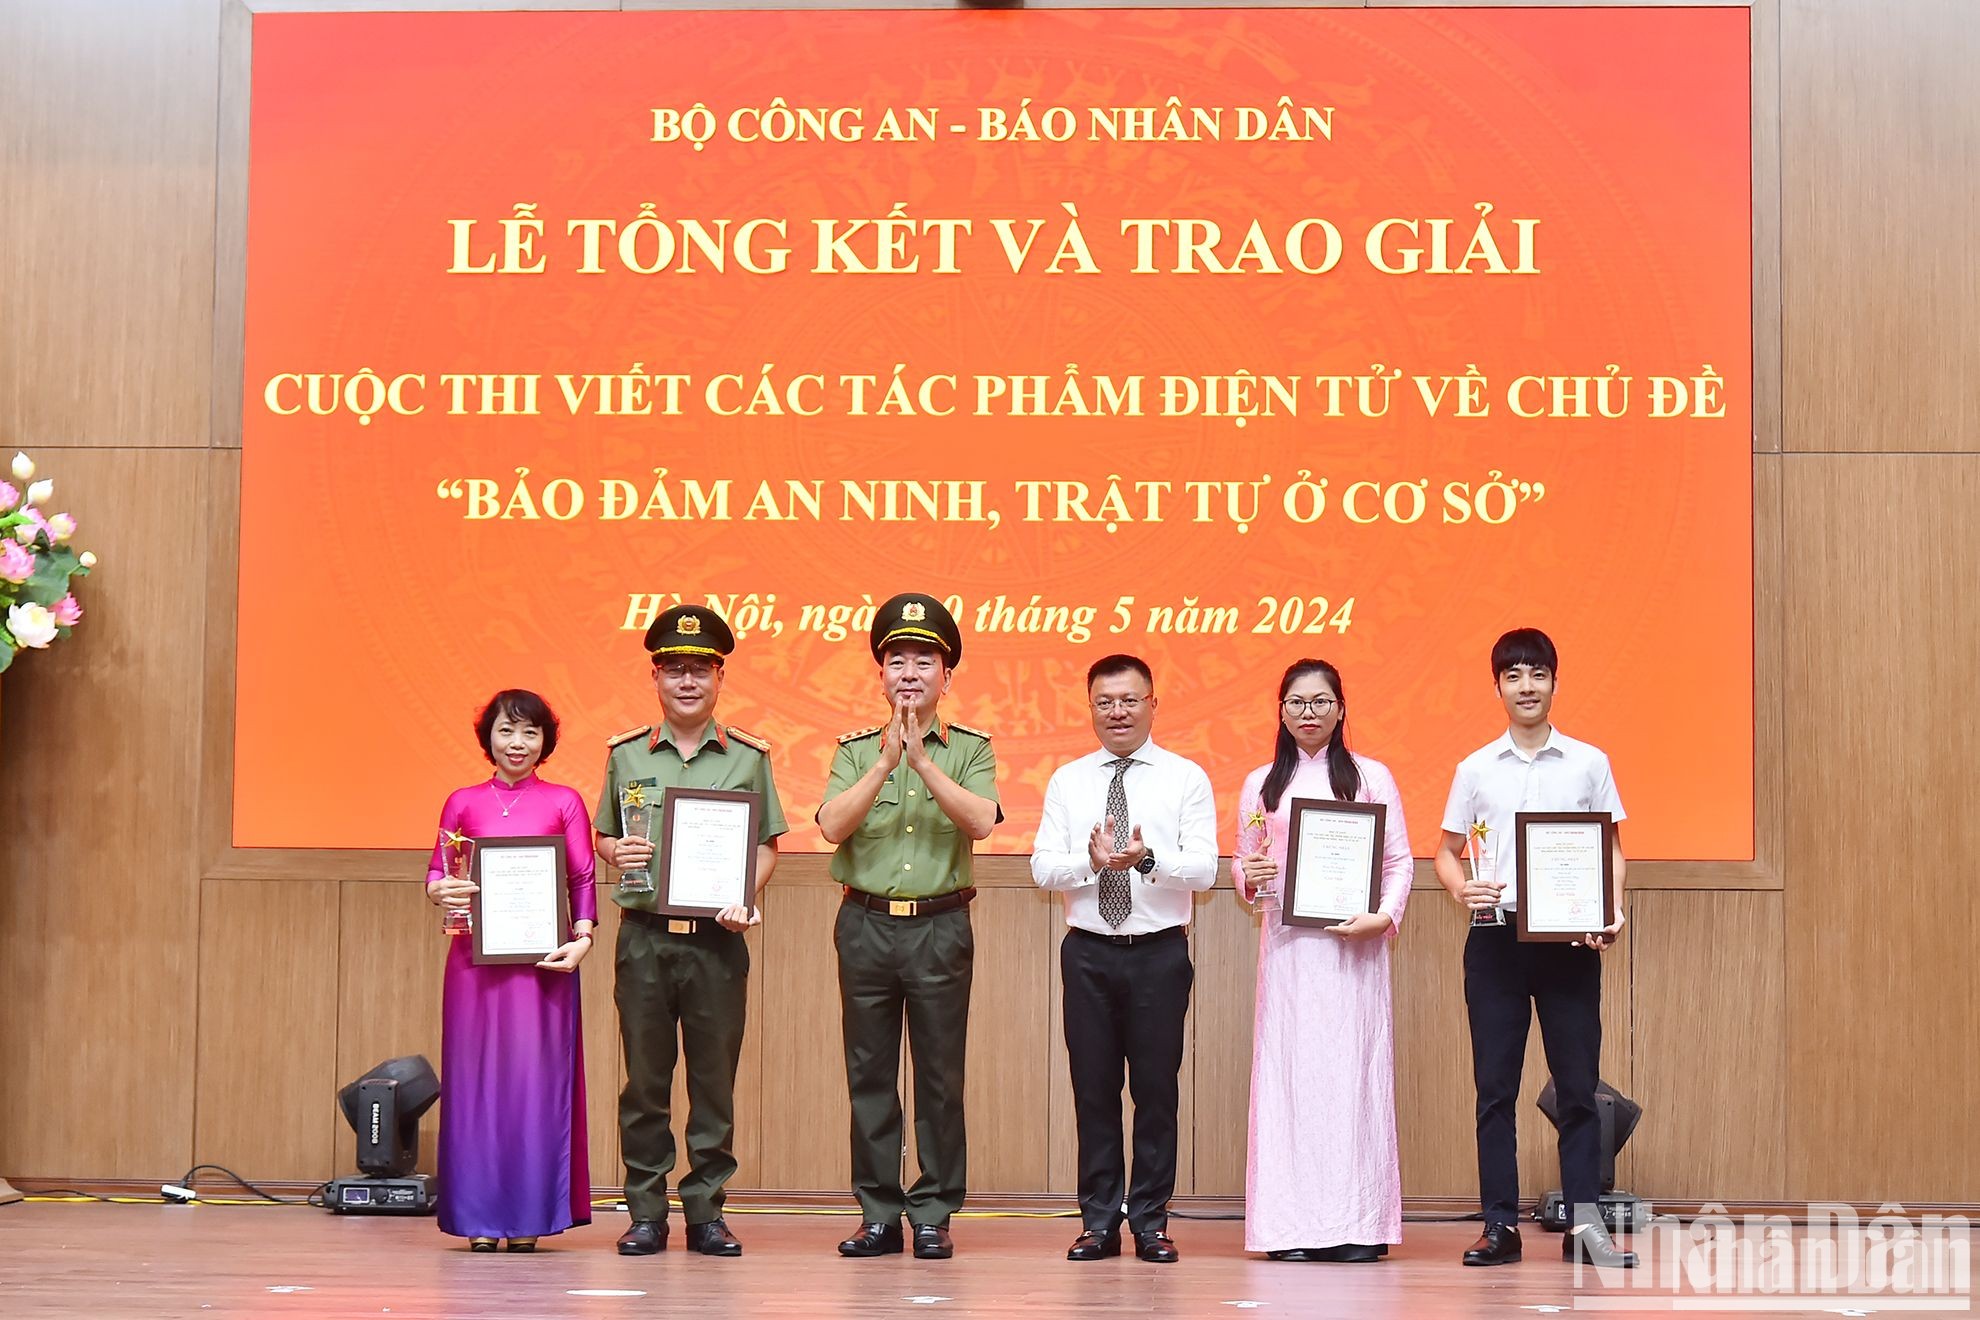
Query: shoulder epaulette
[[629, 735], [748, 739], [956, 724], [857, 734]]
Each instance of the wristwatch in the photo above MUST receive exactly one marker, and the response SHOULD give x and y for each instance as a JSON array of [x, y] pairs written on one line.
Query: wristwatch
[[1146, 864]]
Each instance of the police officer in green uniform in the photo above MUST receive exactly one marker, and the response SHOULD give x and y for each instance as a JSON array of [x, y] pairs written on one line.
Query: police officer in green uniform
[[905, 802], [682, 975]]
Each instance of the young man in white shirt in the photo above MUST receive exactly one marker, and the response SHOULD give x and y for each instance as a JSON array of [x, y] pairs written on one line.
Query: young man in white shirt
[[1531, 767], [1128, 837]]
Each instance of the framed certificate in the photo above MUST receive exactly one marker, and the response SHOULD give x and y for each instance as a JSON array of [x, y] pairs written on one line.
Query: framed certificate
[[707, 850], [1333, 861], [1563, 883], [522, 907]]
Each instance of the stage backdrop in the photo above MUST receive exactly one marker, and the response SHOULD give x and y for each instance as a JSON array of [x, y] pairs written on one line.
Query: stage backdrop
[[1223, 338]]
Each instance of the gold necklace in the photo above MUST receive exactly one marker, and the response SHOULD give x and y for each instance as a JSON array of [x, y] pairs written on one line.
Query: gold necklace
[[512, 801]]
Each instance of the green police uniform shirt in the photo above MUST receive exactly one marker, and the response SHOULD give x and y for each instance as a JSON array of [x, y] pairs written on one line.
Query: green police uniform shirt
[[728, 759], [907, 847]]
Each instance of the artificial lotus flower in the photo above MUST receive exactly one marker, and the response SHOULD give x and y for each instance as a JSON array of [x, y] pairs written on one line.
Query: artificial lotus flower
[[31, 624], [23, 468], [61, 527], [16, 564], [41, 491], [67, 611]]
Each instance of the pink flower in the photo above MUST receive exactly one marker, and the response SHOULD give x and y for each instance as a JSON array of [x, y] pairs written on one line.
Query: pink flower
[[16, 564], [10, 495], [68, 611], [61, 527]]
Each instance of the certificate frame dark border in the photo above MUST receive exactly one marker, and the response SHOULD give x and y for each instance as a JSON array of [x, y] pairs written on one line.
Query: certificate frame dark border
[[555, 843], [1288, 903], [1521, 820], [664, 876]]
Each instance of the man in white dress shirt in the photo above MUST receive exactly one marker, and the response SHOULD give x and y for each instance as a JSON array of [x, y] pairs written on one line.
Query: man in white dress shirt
[[1532, 766], [1128, 837]]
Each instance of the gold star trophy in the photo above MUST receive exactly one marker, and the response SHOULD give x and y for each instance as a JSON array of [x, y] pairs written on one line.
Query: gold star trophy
[[636, 822], [1479, 854], [1255, 837], [458, 852]]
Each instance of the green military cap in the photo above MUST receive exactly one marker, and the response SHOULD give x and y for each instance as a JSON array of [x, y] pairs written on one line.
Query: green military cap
[[912, 617], [689, 630]]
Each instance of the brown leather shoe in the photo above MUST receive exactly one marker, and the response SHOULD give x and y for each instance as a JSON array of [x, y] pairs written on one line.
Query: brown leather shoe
[[644, 1238], [1095, 1244]]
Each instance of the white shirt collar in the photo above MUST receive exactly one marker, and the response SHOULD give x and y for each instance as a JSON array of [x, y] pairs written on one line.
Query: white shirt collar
[[1506, 746], [1144, 754]]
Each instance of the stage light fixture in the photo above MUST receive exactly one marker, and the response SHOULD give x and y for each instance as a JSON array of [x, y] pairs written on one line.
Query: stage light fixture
[[383, 1108], [1618, 1116]]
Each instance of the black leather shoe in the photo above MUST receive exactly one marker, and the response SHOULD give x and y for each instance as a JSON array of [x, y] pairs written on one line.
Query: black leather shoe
[[1355, 1253], [1157, 1246], [1593, 1246], [1297, 1253], [645, 1237], [1499, 1245], [873, 1240], [931, 1242], [1095, 1244], [713, 1239]]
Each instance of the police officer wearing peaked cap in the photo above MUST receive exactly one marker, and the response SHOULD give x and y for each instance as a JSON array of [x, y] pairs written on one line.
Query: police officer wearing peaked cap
[[906, 801], [682, 983]]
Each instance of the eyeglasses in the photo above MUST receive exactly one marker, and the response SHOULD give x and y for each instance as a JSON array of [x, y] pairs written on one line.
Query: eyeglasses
[[679, 669], [1125, 705], [1309, 706]]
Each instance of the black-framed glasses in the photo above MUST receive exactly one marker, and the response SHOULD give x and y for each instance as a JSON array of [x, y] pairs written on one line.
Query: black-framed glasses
[[1308, 705]]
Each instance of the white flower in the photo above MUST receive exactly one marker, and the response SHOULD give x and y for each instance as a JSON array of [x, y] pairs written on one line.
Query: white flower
[[26, 533], [31, 624], [23, 468], [88, 559], [41, 491]]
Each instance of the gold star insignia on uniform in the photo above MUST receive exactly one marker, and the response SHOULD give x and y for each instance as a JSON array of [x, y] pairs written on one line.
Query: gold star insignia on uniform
[[689, 626], [914, 612]]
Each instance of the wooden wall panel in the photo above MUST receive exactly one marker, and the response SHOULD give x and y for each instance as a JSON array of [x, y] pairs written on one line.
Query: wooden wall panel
[[1879, 136], [99, 891], [1225, 949], [604, 1061], [107, 163], [1709, 1047], [267, 1062], [806, 1120], [1882, 986], [391, 966], [1010, 1024]]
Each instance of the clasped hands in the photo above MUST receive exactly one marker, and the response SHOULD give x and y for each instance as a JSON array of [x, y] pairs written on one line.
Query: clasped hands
[[1105, 856]]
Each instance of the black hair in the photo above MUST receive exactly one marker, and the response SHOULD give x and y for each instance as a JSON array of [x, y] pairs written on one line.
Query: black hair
[[1107, 666], [1342, 772], [523, 707], [1525, 646]]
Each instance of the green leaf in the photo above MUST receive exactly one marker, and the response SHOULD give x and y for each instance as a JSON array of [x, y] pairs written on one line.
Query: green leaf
[[50, 580], [6, 651]]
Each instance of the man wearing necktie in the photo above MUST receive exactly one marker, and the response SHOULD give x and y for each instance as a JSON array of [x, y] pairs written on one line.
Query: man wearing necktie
[[1128, 836]]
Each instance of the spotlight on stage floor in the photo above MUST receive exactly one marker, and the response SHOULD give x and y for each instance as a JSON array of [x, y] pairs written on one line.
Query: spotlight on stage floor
[[1618, 1115], [383, 1108]]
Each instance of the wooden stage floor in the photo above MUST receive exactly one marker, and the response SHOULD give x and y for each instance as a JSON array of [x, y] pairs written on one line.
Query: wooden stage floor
[[213, 1261]]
